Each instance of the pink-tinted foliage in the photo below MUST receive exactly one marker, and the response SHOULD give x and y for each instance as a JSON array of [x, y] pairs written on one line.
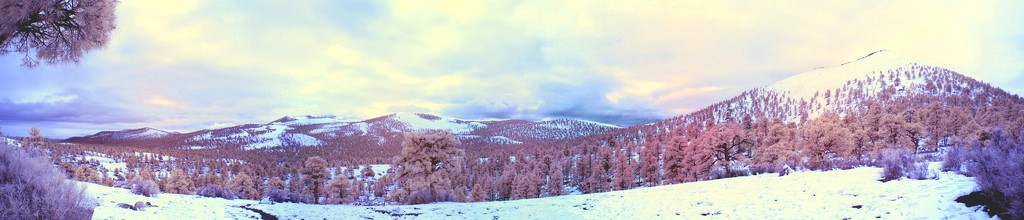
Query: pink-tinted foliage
[[56, 31]]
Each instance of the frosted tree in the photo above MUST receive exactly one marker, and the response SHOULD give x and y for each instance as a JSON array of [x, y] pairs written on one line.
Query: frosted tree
[[893, 132], [314, 173], [554, 185], [35, 138], [623, 177], [367, 171], [677, 151], [649, 162], [245, 186], [933, 125], [55, 31], [728, 144], [179, 183], [275, 189], [824, 139], [477, 194], [427, 164], [339, 190], [777, 148]]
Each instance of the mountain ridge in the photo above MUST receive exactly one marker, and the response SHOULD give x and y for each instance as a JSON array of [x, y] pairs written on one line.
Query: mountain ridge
[[307, 131]]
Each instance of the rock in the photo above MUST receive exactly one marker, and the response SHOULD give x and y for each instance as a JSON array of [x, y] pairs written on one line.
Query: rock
[[139, 206]]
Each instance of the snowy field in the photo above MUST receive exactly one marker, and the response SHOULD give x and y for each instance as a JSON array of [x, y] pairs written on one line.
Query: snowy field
[[840, 194]]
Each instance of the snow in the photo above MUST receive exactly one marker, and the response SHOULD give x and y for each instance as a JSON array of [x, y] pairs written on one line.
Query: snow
[[501, 140], [837, 194], [802, 195], [310, 119], [378, 170], [11, 142], [276, 136], [149, 133], [599, 123], [418, 122], [105, 161], [804, 85], [165, 205]]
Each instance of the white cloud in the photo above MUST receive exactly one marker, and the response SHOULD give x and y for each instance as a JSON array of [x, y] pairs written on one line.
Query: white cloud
[[188, 65]]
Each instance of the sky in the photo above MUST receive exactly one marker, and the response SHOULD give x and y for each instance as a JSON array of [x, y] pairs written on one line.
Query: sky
[[184, 65]]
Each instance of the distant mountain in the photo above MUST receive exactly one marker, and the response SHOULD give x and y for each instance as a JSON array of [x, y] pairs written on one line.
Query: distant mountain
[[880, 77], [126, 135], [851, 87], [327, 130]]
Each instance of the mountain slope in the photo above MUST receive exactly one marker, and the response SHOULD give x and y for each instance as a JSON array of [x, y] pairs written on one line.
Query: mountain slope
[[307, 131], [881, 77], [126, 135]]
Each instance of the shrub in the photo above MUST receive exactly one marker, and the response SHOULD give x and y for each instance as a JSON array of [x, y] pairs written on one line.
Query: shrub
[[140, 205], [954, 160], [281, 195], [216, 192], [895, 164], [144, 187], [1000, 176], [425, 196], [31, 188], [919, 171]]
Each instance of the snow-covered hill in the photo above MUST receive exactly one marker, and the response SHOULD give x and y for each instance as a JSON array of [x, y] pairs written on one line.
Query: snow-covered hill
[[883, 76], [840, 194], [129, 134], [807, 84], [304, 131]]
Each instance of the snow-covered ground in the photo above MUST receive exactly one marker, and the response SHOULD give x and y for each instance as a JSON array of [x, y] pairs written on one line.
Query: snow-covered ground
[[106, 161], [165, 206], [855, 194]]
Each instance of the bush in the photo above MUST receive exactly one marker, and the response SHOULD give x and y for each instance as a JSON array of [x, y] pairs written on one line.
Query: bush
[[1000, 177], [216, 192], [30, 188], [281, 195], [425, 196], [895, 164], [919, 171], [146, 188], [954, 160]]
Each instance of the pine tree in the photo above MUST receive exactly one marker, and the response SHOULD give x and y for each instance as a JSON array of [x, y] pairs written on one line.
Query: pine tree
[[314, 173], [477, 194], [824, 139], [367, 171], [427, 164], [179, 183], [339, 190], [244, 186], [649, 162], [555, 184], [623, 176]]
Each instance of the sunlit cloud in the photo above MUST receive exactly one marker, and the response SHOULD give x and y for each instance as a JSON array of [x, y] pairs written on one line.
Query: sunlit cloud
[[187, 65]]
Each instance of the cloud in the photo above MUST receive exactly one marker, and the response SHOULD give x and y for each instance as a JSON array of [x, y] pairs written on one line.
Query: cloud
[[187, 65], [69, 106]]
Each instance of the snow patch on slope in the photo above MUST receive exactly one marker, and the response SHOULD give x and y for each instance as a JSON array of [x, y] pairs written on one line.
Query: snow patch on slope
[[276, 136], [424, 122], [309, 119], [804, 85], [10, 142], [501, 140]]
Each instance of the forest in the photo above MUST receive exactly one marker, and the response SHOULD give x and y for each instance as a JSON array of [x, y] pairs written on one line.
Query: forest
[[894, 129]]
